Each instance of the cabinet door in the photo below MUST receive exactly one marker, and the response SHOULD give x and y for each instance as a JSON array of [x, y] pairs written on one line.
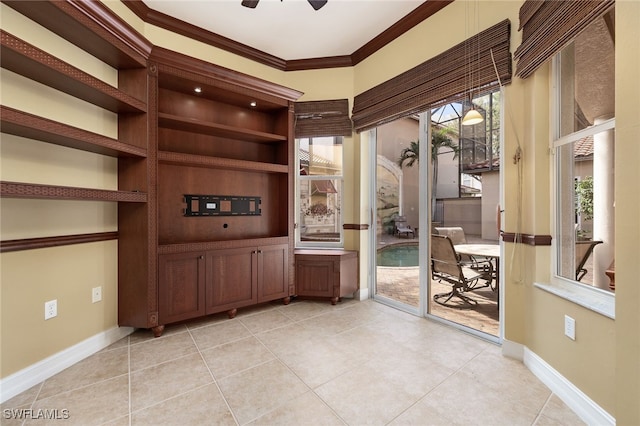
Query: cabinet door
[[181, 286], [273, 276], [315, 276], [231, 279]]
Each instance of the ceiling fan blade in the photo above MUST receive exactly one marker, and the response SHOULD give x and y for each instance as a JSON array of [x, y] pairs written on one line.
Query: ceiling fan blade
[[250, 3], [317, 4]]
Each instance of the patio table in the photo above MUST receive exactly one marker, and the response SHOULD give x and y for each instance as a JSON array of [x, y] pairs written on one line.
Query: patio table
[[489, 251]]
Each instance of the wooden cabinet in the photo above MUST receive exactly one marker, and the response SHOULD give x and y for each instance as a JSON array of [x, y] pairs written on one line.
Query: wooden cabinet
[[246, 276], [273, 273], [226, 136], [194, 284], [181, 287], [328, 274], [232, 279]]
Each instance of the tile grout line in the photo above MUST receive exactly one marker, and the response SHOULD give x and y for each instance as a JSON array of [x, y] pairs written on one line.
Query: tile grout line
[[310, 389], [542, 408], [215, 382], [439, 384]]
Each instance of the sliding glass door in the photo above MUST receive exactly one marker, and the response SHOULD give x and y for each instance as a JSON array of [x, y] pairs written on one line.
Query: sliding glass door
[[448, 186], [400, 254]]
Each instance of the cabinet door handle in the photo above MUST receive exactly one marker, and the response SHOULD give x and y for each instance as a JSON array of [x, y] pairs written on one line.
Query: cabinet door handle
[[201, 257]]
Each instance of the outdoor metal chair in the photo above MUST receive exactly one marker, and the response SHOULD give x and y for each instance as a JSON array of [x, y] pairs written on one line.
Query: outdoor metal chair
[[446, 266], [456, 233], [401, 227], [457, 236]]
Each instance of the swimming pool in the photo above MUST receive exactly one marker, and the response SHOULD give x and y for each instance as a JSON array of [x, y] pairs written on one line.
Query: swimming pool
[[398, 255]]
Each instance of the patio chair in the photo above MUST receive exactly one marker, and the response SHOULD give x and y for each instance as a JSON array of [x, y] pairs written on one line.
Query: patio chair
[[401, 227], [583, 251], [447, 267], [456, 233], [457, 236]]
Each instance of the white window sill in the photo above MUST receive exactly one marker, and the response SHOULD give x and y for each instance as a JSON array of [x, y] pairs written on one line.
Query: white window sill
[[594, 299]]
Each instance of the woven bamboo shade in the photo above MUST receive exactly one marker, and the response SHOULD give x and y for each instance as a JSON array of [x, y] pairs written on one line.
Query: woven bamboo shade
[[547, 27], [322, 118], [441, 79]]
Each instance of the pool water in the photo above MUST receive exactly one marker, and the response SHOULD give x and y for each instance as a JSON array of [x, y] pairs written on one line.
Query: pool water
[[398, 255]]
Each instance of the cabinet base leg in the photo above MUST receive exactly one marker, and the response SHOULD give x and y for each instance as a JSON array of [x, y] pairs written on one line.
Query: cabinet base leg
[[232, 313], [286, 300], [335, 300], [157, 330]]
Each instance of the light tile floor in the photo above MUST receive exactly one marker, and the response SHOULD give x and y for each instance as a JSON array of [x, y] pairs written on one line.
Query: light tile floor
[[308, 363]]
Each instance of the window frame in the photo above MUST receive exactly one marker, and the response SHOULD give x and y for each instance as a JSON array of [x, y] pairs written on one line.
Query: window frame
[[309, 178], [590, 297]]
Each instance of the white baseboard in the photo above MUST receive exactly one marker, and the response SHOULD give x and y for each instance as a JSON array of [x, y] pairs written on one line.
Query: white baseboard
[[361, 294], [590, 412], [26, 378], [513, 350]]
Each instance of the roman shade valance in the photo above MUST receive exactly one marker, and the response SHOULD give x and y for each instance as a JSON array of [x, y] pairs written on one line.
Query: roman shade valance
[[443, 78], [322, 118], [548, 25]]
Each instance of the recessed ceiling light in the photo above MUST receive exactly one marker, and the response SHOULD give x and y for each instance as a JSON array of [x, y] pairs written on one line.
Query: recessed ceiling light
[[253, 104], [198, 90]]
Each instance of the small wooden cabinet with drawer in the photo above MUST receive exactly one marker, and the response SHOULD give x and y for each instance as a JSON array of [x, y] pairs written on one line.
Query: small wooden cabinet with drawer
[[330, 274]]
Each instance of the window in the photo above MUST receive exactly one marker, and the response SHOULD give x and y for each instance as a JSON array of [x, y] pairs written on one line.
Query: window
[[584, 153], [319, 189], [478, 151]]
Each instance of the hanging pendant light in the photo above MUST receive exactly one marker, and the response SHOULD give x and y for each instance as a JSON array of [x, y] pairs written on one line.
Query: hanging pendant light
[[472, 117]]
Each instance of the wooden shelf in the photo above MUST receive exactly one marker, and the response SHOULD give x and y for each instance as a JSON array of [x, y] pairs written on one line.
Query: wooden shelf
[[208, 128], [92, 27], [216, 245], [31, 126], [221, 163], [33, 63], [39, 191]]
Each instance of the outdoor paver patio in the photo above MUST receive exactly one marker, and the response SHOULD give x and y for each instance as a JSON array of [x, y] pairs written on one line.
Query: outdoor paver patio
[[401, 284]]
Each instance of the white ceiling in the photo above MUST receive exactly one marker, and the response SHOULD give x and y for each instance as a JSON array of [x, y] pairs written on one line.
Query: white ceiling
[[291, 29]]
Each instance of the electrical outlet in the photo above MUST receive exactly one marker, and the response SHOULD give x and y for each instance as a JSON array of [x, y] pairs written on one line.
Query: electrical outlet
[[96, 294], [569, 327], [50, 309]]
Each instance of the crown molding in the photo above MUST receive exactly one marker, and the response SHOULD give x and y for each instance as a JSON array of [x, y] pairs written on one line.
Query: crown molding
[[177, 26], [179, 63], [152, 17]]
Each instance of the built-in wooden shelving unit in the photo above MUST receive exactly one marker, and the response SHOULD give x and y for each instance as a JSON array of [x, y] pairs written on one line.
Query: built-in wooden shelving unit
[[233, 137], [24, 124], [220, 163], [188, 124], [39, 191], [33, 63]]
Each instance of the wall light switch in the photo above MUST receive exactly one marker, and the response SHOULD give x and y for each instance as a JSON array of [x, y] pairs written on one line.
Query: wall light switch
[[569, 327]]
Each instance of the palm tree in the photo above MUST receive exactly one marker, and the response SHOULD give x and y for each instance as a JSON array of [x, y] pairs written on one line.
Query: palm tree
[[440, 138]]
